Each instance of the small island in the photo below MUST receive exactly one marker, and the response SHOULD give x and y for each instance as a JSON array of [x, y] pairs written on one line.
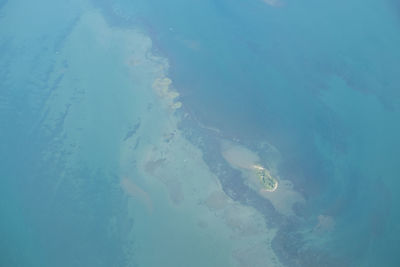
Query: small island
[[269, 183]]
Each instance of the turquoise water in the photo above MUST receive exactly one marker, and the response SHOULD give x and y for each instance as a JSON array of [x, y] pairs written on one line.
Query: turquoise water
[[316, 79]]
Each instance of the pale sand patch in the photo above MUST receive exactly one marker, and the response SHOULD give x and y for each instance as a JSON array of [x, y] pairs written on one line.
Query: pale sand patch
[[282, 198], [173, 185], [239, 157], [134, 191], [162, 86]]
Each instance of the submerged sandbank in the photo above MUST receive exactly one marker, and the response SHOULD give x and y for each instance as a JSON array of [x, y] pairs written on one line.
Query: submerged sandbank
[[261, 179]]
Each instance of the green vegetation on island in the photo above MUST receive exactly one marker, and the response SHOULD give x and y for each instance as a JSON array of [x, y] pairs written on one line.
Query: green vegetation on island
[[269, 183]]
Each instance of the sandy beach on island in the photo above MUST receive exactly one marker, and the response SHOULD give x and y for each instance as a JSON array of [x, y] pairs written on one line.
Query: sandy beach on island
[[282, 197]]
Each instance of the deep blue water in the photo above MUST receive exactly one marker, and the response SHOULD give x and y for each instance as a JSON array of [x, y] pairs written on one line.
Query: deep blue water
[[319, 80]]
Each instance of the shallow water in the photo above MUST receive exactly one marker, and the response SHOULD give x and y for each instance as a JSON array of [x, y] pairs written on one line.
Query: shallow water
[[99, 169]]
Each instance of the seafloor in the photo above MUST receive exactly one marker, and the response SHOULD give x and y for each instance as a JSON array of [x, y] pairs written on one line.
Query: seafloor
[[105, 163]]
